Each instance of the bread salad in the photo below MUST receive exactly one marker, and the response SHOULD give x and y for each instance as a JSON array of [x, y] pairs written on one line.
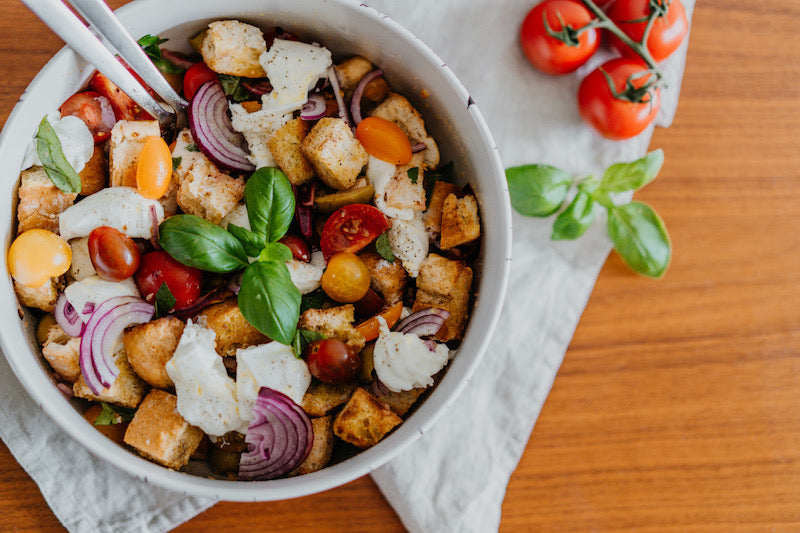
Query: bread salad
[[275, 285]]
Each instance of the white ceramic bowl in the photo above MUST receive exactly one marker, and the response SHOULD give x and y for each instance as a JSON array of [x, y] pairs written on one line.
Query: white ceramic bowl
[[347, 28]]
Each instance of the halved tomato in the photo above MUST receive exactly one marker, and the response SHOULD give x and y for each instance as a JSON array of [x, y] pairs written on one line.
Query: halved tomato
[[123, 105], [94, 110], [352, 227]]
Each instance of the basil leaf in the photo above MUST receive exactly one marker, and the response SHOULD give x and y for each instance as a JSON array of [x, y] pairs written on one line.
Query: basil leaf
[[149, 44], [253, 242], [623, 177], [164, 301], [537, 190], [312, 300], [112, 414], [233, 88], [58, 169], [270, 301], [198, 243], [275, 251], [304, 337], [384, 248], [575, 219], [176, 162], [640, 238], [270, 202], [413, 174]]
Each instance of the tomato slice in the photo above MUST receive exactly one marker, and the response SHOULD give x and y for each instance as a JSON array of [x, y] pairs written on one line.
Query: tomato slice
[[195, 76], [371, 328], [183, 281], [352, 227], [123, 105], [94, 110]]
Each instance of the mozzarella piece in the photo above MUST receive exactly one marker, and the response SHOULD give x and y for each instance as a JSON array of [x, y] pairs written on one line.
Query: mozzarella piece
[[293, 69], [81, 267], [206, 394], [93, 290], [380, 173], [237, 216], [77, 142], [272, 365], [409, 241], [307, 277], [403, 362], [121, 208]]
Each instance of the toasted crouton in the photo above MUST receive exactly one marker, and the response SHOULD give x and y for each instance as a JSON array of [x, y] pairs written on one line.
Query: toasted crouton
[[445, 283], [127, 390], [321, 398], [336, 323], [350, 72], [42, 297], [433, 216], [63, 353], [401, 192], [231, 328], [460, 222], [208, 193], [321, 449], [94, 175], [159, 433], [285, 148], [400, 402], [387, 279], [233, 47], [335, 153], [364, 421], [127, 141], [400, 111], [150, 345], [40, 202]]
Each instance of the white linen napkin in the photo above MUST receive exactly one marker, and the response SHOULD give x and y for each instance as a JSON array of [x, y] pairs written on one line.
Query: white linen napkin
[[454, 477]]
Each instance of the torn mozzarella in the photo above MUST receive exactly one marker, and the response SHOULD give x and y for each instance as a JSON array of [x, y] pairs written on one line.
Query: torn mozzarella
[[307, 277], [86, 294], [404, 362], [121, 208], [77, 143], [409, 242]]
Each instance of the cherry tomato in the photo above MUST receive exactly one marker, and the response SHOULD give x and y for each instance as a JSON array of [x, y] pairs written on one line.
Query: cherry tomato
[[114, 255], [298, 247], [370, 304], [384, 140], [159, 267], [612, 117], [94, 110], [195, 76], [552, 55], [666, 34], [332, 361], [352, 227], [123, 105], [37, 255], [154, 168], [346, 278]]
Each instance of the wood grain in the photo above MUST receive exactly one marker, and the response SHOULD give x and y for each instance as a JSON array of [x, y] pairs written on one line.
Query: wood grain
[[676, 408]]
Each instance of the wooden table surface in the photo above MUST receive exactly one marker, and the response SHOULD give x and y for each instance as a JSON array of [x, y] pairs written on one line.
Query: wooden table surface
[[677, 407]]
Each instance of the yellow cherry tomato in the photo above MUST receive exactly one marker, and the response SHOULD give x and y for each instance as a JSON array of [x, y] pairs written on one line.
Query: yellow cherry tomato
[[384, 140], [38, 255], [154, 169], [346, 279]]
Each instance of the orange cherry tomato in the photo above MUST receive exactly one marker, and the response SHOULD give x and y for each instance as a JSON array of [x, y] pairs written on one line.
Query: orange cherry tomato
[[38, 255], [346, 279], [384, 140], [154, 169], [370, 328]]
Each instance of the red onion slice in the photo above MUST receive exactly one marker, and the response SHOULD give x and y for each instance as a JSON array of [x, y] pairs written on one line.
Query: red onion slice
[[314, 108], [355, 101], [279, 437], [418, 147], [212, 129], [304, 208], [337, 93], [424, 322], [257, 87], [178, 59], [67, 317]]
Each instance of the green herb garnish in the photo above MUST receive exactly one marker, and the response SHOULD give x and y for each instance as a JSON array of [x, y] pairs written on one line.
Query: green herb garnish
[[150, 45], [233, 88], [164, 301], [383, 247], [176, 162], [304, 337], [413, 174], [113, 414], [192, 148], [56, 166]]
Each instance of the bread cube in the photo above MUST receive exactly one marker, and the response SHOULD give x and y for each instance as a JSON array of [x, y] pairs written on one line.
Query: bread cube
[[335, 153], [127, 390], [63, 353], [208, 193], [321, 449], [40, 202], [321, 398], [42, 297], [150, 345], [285, 144], [460, 222], [232, 329], [159, 433], [388, 279], [433, 216], [127, 141], [446, 284], [94, 175], [400, 402], [233, 47], [350, 73], [334, 323], [364, 421]]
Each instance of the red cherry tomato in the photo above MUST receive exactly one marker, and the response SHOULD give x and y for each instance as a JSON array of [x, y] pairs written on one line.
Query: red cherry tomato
[[665, 36], [123, 105], [552, 55], [332, 361], [114, 255], [159, 267], [612, 117], [94, 110], [298, 247], [195, 76], [352, 227]]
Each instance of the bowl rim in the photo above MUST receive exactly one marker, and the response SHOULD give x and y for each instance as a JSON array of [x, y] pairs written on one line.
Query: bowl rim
[[39, 386]]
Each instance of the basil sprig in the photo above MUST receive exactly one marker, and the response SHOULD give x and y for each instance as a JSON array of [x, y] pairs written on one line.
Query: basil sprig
[[151, 46], [637, 232], [56, 166], [268, 298]]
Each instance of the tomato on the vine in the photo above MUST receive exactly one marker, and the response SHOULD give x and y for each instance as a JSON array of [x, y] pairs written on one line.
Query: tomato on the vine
[[352, 227], [561, 45], [94, 110], [159, 267], [114, 255], [195, 76], [666, 34], [627, 113]]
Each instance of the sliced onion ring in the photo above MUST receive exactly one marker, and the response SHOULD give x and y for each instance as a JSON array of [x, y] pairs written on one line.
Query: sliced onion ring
[[212, 129], [257, 87], [418, 147], [337, 93], [279, 437], [355, 101], [314, 108], [67, 317], [424, 322]]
